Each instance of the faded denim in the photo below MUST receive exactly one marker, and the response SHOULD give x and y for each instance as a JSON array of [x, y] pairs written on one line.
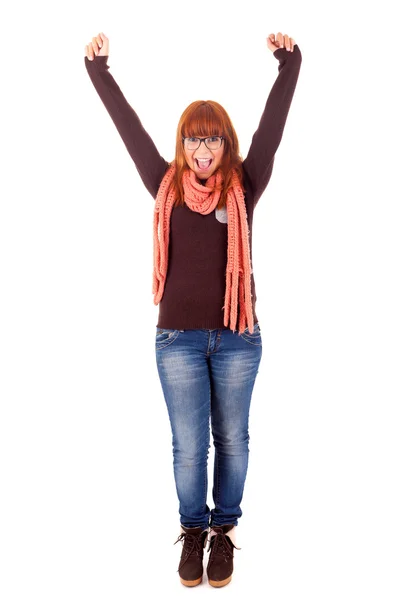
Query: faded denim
[[207, 377]]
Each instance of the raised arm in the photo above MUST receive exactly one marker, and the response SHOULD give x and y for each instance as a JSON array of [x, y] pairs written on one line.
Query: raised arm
[[260, 159], [149, 163]]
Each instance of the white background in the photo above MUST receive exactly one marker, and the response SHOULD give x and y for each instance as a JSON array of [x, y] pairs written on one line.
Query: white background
[[88, 506]]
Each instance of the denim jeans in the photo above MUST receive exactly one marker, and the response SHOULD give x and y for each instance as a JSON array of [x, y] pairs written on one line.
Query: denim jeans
[[208, 375]]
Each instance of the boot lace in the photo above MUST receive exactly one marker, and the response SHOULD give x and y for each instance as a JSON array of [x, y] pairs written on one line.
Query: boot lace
[[191, 543], [220, 545]]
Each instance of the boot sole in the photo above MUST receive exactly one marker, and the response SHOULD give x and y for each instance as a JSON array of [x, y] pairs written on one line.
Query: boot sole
[[220, 583], [191, 583]]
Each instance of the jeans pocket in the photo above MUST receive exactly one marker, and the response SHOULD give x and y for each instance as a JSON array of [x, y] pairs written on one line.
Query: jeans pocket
[[253, 338], [165, 337]]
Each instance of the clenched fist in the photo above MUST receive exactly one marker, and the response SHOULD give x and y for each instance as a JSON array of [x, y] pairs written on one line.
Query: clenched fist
[[280, 41], [99, 46]]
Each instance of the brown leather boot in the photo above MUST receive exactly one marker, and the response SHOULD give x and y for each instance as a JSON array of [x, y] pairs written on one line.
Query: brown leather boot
[[220, 562], [191, 564]]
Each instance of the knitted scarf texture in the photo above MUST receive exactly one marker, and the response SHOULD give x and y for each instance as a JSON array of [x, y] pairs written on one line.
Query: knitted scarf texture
[[204, 199]]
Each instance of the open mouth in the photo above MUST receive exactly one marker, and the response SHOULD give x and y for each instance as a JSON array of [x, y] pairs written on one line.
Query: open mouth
[[203, 164]]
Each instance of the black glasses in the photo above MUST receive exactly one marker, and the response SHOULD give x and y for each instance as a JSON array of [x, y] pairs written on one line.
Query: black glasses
[[213, 143]]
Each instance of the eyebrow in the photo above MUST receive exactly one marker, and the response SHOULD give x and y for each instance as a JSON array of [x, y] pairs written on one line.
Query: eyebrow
[[205, 136]]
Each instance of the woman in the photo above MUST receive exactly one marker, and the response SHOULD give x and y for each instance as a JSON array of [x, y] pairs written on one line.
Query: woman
[[208, 341]]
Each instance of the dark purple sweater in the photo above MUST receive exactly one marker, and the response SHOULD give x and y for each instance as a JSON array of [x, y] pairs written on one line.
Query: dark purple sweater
[[194, 292]]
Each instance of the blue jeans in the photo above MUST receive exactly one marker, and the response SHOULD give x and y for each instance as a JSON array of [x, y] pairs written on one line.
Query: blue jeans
[[208, 374]]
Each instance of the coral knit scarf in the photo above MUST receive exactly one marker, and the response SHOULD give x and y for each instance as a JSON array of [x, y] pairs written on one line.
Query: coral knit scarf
[[204, 199]]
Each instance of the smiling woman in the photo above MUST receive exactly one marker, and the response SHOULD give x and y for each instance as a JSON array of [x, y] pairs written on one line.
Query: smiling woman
[[208, 341], [205, 155]]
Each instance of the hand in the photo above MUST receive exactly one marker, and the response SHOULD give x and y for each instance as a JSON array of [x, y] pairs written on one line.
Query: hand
[[99, 46], [280, 41]]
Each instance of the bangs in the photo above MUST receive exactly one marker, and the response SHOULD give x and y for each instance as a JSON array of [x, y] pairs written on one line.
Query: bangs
[[203, 121]]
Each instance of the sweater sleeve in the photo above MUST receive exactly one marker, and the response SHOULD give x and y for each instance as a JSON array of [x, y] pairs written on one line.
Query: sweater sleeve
[[260, 159], [150, 164]]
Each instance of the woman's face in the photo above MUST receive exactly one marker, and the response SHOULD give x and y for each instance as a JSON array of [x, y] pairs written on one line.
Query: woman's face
[[203, 161]]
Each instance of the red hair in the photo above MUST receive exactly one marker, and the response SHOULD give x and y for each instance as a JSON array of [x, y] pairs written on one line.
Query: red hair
[[204, 118]]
